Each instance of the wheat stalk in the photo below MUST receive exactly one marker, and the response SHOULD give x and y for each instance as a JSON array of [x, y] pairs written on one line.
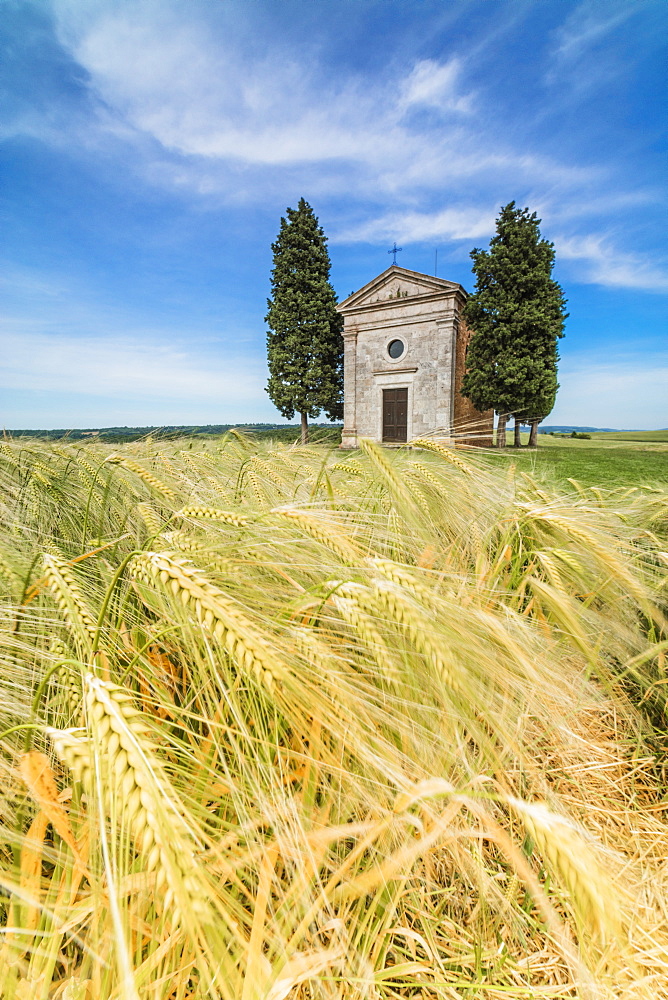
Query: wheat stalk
[[325, 532], [166, 464], [269, 471], [88, 483], [183, 542], [214, 514], [188, 459], [150, 518], [427, 474], [365, 628], [65, 591], [441, 450], [66, 680], [257, 487], [213, 609], [134, 779], [352, 470], [218, 487], [391, 599], [386, 598], [402, 577], [562, 845], [157, 484], [618, 570], [552, 571], [8, 572], [379, 460], [416, 491], [92, 471]]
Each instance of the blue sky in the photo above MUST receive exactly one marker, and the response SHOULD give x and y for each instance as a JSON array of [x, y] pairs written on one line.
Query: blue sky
[[150, 147]]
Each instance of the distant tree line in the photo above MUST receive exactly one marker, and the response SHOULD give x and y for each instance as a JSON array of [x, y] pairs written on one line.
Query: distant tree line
[[118, 435]]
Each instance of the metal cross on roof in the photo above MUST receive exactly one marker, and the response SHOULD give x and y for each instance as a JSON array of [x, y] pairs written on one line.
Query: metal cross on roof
[[395, 250]]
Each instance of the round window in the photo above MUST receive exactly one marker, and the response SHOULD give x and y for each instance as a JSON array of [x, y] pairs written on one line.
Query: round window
[[396, 348]]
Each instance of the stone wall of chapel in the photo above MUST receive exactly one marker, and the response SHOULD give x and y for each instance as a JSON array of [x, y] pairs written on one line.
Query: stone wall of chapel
[[471, 426], [426, 313], [426, 368]]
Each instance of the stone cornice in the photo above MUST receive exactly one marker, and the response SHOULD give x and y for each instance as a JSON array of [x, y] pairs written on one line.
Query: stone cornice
[[432, 286], [383, 323], [394, 371], [401, 303]]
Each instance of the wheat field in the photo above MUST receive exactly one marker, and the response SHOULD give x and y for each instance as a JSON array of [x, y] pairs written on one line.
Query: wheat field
[[285, 723]]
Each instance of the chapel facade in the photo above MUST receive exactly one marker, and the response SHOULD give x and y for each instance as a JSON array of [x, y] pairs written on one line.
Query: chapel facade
[[405, 346]]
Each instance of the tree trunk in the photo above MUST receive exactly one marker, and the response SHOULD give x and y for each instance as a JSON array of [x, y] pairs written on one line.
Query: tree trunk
[[533, 435], [501, 430], [517, 443], [304, 428]]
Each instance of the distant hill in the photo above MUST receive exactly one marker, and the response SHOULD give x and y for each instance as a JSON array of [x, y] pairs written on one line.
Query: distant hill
[[117, 435], [567, 428], [563, 428], [608, 434]]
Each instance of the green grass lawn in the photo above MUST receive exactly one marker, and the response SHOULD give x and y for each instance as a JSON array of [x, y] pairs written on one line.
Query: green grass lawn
[[631, 435], [605, 460]]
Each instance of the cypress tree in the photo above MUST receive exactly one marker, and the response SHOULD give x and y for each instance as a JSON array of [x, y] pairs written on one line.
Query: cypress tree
[[517, 315], [304, 342]]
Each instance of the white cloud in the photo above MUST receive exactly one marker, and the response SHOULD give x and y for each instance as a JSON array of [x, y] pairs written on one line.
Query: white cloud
[[234, 116], [581, 58], [199, 94], [587, 25], [434, 84], [599, 261], [605, 265], [414, 227], [624, 391], [131, 366], [177, 78]]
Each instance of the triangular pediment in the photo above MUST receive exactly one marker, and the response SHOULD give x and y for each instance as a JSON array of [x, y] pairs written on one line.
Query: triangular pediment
[[398, 284]]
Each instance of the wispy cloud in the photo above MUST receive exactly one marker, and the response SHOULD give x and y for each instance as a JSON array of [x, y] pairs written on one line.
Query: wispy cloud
[[587, 25], [578, 62], [606, 265], [129, 366], [172, 78], [211, 113], [436, 85], [415, 227], [215, 103]]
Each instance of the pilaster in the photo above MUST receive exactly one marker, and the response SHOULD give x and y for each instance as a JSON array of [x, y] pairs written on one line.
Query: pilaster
[[349, 432]]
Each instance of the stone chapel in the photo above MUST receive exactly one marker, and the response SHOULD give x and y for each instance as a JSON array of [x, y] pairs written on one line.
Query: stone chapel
[[405, 346]]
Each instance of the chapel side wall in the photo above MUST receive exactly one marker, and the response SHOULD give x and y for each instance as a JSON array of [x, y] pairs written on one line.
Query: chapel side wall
[[471, 426]]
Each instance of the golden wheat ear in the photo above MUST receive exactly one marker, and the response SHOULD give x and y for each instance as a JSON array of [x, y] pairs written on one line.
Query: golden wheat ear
[[214, 514], [150, 517], [213, 609], [67, 595], [117, 763], [148, 477], [442, 451], [566, 850], [325, 531]]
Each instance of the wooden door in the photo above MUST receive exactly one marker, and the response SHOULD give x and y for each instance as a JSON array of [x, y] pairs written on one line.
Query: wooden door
[[395, 414]]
